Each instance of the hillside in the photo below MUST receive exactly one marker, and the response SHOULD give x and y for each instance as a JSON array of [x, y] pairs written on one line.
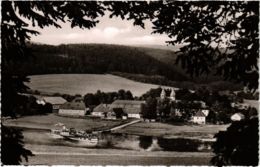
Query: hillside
[[98, 59], [139, 63]]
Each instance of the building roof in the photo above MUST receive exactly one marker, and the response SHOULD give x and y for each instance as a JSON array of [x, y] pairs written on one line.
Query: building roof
[[127, 102], [101, 108], [54, 100], [128, 106], [199, 114], [74, 105]]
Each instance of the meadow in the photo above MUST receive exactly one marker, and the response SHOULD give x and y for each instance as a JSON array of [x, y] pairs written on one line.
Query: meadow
[[86, 83], [48, 122], [173, 131]]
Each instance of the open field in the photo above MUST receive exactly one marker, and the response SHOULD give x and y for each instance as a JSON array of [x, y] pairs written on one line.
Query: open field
[[48, 122], [173, 131], [156, 129], [86, 83]]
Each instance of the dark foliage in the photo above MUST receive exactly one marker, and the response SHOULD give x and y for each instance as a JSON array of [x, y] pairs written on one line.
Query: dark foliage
[[12, 146], [238, 145], [149, 109], [201, 25], [179, 144], [91, 99], [145, 141]]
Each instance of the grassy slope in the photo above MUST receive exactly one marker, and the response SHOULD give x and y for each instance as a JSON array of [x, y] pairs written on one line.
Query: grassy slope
[[172, 131]]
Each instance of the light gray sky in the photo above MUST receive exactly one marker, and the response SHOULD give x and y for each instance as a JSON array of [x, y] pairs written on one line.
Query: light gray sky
[[108, 30]]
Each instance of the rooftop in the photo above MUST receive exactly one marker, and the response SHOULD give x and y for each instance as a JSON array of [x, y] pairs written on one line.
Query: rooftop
[[199, 114], [54, 100]]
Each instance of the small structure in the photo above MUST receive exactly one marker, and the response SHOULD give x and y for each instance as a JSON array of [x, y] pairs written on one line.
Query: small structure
[[237, 117], [131, 107], [205, 112], [163, 94], [101, 110], [74, 108], [199, 118], [55, 101], [172, 95]]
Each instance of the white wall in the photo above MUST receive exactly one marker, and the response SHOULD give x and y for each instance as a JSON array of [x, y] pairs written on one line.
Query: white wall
[[134, 116], [97, 114], [72, 112], [199, 120]]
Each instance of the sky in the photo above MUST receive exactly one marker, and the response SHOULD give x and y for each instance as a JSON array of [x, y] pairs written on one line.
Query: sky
[[108, 30]]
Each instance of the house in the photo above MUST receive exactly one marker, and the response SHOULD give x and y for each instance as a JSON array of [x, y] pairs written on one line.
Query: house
[[73, 108], [131, 107], [55, 101], [101, 110], [199, 118], [237, 117]]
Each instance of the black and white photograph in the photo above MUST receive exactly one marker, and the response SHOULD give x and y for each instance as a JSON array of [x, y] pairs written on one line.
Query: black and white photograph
[[147, 83]]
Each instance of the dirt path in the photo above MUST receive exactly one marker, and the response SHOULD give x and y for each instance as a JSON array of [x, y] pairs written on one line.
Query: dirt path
[[125, 125]]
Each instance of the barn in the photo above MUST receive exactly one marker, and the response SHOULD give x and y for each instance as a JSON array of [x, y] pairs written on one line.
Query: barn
[[73, 108], [131, 107]]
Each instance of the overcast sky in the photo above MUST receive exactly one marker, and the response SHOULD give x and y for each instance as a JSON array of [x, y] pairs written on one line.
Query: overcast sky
[[111, 31]]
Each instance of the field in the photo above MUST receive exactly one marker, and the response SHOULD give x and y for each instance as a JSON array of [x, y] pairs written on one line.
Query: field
[[141, 128], [49, 121], [173, 131], [86, 83]]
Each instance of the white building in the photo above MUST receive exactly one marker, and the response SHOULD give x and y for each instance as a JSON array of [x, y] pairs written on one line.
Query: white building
[[237, 117], [74, 108], [199, 118], [100, 110]]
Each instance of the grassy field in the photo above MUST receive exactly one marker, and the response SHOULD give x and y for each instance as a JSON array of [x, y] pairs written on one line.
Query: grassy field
[[141, 128], [173, 131], [48, 122], [86, 83]]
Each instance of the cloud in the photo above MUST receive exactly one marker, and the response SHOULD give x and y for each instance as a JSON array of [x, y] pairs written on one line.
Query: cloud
[[113, 31]]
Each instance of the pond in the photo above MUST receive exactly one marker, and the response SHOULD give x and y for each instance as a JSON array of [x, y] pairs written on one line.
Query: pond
[[124, 141]]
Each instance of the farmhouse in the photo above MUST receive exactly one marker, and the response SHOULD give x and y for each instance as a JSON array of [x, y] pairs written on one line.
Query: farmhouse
[[55, 101], [199, 118], [131, 107], [101, 110], [74, 108]]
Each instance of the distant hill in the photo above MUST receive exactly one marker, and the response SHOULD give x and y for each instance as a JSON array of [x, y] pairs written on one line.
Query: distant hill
[[99, 59], [155, 64]]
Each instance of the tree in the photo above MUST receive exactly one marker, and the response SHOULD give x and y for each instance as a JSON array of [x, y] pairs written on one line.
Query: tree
[[238, 145], [148, 110], [216, 35]]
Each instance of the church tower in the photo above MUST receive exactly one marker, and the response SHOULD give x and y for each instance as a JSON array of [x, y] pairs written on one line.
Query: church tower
[[163, 94], [172, 96]]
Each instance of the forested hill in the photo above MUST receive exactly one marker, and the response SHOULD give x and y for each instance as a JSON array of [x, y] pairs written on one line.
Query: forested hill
[[100, 58]]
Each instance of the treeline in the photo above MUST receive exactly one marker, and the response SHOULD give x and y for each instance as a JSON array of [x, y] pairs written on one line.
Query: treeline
[[94, 99], [162, 80], [93, 58]]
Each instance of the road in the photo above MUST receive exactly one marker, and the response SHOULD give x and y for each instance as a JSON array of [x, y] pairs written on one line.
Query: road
[[125, 125]]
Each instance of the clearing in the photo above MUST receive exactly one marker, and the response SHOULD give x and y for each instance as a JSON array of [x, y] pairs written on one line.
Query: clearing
[[86, 83]]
